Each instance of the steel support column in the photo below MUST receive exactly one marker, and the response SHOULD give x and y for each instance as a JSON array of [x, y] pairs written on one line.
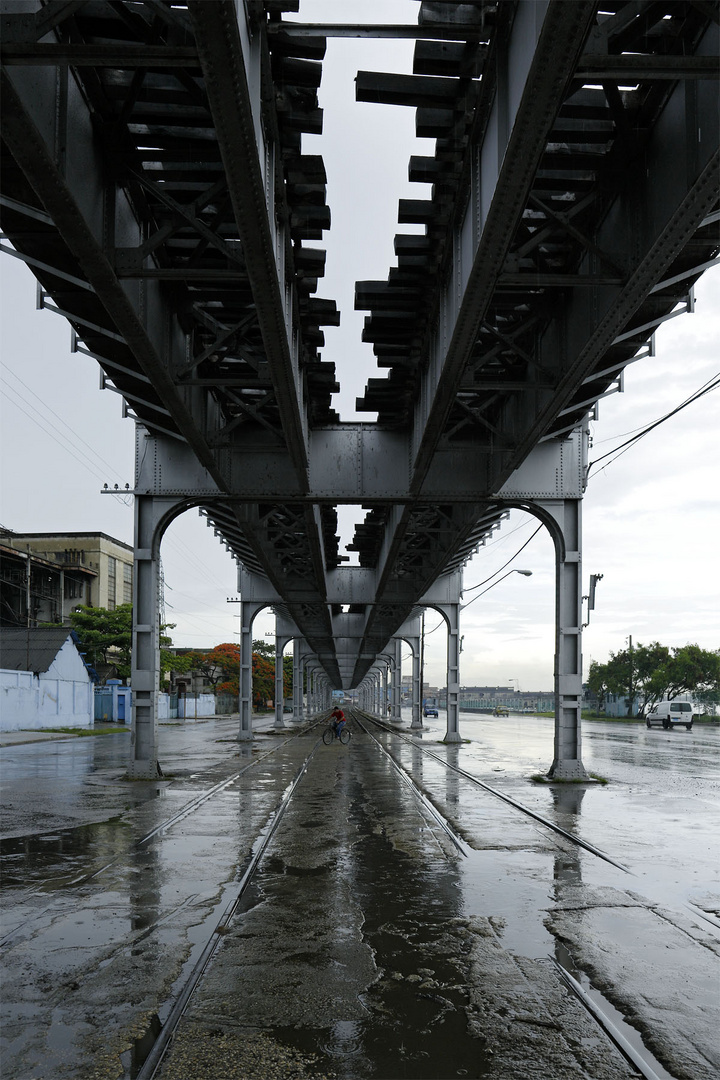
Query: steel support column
[[451, 614], [416, 687], [280, 643], [396, 715], [385, 685], [298, 675], [564, 519], [152, 516], [248, 610]]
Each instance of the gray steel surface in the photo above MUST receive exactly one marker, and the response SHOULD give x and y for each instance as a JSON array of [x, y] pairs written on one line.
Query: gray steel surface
[[153, 177]]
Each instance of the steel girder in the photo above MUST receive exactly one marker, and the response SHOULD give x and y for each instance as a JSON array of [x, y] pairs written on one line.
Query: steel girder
[[561, 236], [154, 181], [133, 186]]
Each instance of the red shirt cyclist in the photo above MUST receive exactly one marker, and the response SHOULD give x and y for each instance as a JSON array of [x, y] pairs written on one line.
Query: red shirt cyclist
[[337, 719]]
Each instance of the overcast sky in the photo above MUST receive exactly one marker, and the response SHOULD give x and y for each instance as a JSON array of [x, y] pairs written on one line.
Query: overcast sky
[[651, 518]]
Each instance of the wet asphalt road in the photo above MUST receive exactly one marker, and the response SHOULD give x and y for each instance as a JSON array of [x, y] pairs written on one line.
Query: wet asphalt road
[[367, 946]]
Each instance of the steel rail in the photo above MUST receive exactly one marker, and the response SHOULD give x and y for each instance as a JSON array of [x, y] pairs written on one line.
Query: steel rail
[[181, 814], [154, 1059], [625, 1047], [510, 801], [419, 794]]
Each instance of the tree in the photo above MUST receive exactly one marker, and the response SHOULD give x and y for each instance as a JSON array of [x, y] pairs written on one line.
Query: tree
[[222, 666], [105, 636], [653, 672], [262, 648], [597, 681], [693, 670], [263, 679], [181, 663]]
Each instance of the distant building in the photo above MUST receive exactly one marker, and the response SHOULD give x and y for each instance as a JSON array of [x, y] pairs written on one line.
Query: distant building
[[43, 576], [195, 681], [43, 679], [471, 693]]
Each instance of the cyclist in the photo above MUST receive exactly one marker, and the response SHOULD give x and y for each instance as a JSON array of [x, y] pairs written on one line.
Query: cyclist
[[337, 719]]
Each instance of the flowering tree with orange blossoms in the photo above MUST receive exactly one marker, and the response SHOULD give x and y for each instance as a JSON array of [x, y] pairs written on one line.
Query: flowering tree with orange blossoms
[[222, 666]]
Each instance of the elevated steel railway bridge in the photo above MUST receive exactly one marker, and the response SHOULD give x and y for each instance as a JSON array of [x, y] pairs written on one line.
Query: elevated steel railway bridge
[[154, 179]]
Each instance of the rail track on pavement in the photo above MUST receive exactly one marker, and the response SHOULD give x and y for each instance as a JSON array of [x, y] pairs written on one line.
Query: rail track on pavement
[[550, 825], [622, 1035], [216, 923]]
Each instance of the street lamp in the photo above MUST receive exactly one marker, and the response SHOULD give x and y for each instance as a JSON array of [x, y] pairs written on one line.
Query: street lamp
[[525, 573]]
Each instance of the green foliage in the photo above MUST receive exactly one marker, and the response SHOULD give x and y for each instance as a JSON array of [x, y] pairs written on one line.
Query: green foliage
[[262, 648], [597, 681], [654, 672], [170, 661], [693, 670], [105, 636], [263, 679]]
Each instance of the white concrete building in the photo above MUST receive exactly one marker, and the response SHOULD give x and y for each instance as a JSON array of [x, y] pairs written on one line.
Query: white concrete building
[[43, 680]]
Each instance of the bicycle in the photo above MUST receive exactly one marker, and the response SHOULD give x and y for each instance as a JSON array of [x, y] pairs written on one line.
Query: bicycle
[[329, 734]]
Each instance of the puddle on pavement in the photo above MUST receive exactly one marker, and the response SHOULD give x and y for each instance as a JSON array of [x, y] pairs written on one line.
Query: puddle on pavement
[[511, 888], [24, 859], [134, 1059], [416, 1025]]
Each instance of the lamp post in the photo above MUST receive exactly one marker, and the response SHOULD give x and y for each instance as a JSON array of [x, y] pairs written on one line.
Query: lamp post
[[525, 573]]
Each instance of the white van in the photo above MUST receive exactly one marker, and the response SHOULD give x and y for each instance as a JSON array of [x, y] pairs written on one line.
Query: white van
[[670, 714]]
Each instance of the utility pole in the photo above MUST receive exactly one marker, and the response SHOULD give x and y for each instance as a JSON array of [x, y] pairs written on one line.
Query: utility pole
[[630, 681], [422, 662]]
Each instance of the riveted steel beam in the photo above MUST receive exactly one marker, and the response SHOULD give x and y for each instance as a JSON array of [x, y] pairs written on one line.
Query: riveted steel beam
[[239, 133], [526, 101], [73, 197]]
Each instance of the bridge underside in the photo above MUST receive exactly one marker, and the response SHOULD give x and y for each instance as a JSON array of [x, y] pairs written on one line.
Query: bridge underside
[[153, 178]]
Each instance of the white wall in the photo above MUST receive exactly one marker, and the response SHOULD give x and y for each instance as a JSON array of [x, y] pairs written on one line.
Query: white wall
[[62, 696], [190, 708]]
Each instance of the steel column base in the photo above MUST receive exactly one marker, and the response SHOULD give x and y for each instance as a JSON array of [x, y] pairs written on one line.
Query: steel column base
[[452, 737], [244, 736], [144, 770], [568, 769]]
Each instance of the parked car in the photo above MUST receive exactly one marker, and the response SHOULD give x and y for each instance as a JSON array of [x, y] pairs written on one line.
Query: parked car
[[670, 714], [501, 710], [430, 710]]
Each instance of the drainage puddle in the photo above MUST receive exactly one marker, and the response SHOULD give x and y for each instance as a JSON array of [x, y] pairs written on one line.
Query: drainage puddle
[[415, 1024]]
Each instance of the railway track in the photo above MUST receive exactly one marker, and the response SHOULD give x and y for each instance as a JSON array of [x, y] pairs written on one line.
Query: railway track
[[216, 923], [232, 902], [54, 884], [624, 1037], [550, 825], [182, 997]]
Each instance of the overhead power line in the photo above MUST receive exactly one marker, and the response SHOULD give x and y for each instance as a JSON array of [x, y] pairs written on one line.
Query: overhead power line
[[711, 384], [73, 437]]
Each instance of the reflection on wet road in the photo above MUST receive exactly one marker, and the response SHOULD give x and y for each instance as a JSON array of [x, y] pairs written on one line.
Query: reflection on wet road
[[366, 945]]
